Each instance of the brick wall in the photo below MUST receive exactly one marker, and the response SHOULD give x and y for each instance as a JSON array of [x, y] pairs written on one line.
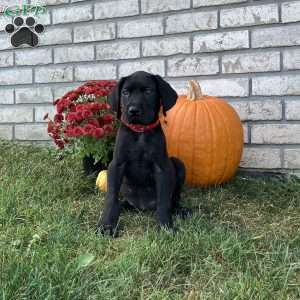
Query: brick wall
[[247, 51]]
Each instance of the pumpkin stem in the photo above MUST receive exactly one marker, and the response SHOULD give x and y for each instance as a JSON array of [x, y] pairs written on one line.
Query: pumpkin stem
[[194, 90]]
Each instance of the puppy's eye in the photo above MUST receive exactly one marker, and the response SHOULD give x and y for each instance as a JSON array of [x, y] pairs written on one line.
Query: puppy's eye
[[125, 93], [148, 91]]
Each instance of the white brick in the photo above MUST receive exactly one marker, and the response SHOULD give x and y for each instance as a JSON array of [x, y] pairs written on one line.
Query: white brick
[[217, 87], [221, 41], [193, 65], [51, 2], [6, 132], [44, 19], [235, 87], [7, 96], [290, 11], [249, 15], [194, 21], [291, 158], [118, 50], [41, 110], [5, 41], [245, 133], [166, 46], [264, 158], [34, 95], [139, 28], [72, 14], [276, 36], [275, 134], [258, 110], [94, 32], [252, 62], [119, 8], [276, 85], [15, 76], [291, 59], [5, 3], [199, 3], [56, 36], [30, 57], [74, 53], [4, 21], [16, 114], [59, 91], [292, 109], [155, 6], [95, 71], [151, 66], [6, 59], [53, 74], [31, 132]]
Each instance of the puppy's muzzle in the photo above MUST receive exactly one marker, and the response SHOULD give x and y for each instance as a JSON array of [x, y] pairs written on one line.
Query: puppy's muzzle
[[134, 111]]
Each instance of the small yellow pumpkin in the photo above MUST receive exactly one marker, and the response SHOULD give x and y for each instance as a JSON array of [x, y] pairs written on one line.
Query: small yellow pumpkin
[[101, 181], [206, 133]]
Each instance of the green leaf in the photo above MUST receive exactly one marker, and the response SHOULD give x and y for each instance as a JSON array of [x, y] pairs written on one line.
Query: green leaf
[[84, 260]]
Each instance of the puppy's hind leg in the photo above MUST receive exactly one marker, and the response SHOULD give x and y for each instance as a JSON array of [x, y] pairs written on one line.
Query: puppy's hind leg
[[177, 209]]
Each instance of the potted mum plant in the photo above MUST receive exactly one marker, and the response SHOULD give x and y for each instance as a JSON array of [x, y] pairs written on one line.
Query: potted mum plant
[[84, 125]]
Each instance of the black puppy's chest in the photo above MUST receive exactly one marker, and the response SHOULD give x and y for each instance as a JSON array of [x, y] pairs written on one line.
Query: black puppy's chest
[[142, 150], [142, 154]]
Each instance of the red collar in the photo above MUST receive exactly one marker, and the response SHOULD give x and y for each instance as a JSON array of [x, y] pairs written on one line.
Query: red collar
[[139, 127]]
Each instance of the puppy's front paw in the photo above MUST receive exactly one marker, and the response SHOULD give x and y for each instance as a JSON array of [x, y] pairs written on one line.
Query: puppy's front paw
[[108, 230]]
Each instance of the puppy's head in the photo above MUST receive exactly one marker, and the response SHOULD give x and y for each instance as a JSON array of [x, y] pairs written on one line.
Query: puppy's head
[[138, 97]]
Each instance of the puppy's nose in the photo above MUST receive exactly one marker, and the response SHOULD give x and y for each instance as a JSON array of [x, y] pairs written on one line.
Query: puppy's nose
[[133, 111]]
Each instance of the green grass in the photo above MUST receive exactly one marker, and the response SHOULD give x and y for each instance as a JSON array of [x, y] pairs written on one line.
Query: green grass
[[243, 241]]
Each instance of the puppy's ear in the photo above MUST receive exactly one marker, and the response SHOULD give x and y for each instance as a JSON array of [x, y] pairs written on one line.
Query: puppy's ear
[[168, 95], [114, 98]]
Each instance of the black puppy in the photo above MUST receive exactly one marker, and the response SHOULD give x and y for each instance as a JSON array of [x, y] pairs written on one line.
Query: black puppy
[[141, 169]]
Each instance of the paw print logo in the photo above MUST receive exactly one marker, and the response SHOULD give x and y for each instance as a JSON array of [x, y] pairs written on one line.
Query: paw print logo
[[24, 31]]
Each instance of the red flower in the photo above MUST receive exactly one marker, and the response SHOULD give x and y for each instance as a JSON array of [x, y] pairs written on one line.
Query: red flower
[[71, 117], [80, 107], [51, 127], [95, 107], [59, 143], [108, 129], [87, 114], [67, 102], [69, 131], [99, 93], [73, 96], [94, 122], [79, 116], [98, 133], [78, 131], [106, 106], [72, 107], [88, 129], [107, 118], [58, 118], [89, 90], [59, 107], [55, 136], [75, 119]]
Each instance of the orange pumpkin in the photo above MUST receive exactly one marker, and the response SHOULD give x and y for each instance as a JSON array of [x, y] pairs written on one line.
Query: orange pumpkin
[[206, 133]]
